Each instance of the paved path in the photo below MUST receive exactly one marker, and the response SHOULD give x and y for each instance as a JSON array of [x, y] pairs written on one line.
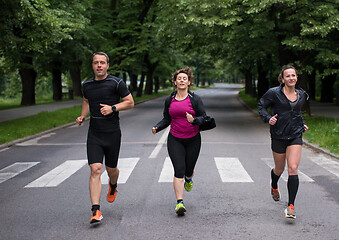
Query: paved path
[[15, 113]]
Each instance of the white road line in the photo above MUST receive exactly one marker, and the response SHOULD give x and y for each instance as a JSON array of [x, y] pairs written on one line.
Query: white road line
[[302, 177], [161, 142], [15, 169], [231, 170], [126, 166], [167, 171], [328, 164], [34, 141], [58, 174]]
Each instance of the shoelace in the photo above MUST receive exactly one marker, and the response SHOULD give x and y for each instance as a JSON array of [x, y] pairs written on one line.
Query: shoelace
[[94, 212]]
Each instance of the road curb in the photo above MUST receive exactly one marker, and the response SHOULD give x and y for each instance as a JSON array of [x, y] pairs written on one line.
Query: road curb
[[312, 146]]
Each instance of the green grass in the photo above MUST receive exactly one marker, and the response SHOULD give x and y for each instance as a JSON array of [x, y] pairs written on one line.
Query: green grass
[[23, 127], [323, 131], [248, 99]]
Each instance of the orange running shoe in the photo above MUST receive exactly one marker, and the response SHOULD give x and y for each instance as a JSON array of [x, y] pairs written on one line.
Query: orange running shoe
[[290, 212], [96, 216], [275, 194], [111, 197]]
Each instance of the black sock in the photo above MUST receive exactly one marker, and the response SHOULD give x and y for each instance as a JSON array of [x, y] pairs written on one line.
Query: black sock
[[95, 207], [274, 179], [113, 187], [188, 180], [292, 187], [180, 200]]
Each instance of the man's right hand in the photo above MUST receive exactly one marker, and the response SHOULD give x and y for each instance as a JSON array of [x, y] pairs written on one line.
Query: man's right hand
[[79, 120]]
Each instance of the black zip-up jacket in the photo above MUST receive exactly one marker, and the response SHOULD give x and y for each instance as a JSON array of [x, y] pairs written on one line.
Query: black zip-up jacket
[[290, 123], [197, 106]]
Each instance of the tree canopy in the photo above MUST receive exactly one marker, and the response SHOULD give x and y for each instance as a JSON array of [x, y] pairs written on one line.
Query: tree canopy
[[150, 39]]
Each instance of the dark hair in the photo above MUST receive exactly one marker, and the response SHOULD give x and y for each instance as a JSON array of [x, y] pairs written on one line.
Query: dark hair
[[281, 75], [185, 70], [101, 53]]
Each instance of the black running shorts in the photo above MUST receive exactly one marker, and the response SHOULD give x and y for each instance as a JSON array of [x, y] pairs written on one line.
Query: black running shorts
[[280, 145], [100, 144]]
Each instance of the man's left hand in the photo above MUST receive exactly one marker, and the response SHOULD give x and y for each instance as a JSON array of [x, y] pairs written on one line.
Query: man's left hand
[[105, 109]]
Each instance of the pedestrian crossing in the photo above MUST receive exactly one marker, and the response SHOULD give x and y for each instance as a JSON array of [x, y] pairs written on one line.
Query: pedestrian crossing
[[229, 169]]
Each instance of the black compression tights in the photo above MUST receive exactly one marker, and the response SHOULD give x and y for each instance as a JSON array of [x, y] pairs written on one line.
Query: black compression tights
[[292, 187], [184, 154]]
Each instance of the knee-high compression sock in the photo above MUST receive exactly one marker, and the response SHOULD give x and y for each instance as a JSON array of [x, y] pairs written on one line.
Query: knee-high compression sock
[[274, 179], [292, 187]]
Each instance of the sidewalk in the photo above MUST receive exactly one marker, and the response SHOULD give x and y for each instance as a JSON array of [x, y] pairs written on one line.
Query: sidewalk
[[15, 113]]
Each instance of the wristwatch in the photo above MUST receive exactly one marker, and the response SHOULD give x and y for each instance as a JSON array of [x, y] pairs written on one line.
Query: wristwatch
[[114, 109]]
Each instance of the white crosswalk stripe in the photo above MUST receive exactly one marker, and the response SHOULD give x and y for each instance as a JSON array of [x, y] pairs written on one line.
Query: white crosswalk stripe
[[167, 171], [58, 174], [126, 166], [161, 142], [328, 164], [302, 177], [15, 169], [231, 170]]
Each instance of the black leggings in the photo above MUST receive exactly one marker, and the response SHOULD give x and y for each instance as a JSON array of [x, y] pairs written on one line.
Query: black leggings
[[184, 153]]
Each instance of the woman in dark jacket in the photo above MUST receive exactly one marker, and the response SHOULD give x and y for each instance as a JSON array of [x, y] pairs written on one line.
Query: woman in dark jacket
[[185, 112], [286, 128]]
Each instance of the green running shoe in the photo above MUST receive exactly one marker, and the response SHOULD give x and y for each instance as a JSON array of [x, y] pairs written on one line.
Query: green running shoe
[[180, 209], [188, 185]]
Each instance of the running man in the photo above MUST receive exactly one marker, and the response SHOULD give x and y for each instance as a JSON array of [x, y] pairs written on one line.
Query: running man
[[102, 95]]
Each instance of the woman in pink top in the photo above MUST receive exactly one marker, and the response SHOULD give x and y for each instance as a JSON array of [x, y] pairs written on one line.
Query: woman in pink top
[[185, 112]]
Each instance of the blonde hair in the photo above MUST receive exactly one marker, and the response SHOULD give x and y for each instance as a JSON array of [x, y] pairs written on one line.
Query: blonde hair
[[281, 75]]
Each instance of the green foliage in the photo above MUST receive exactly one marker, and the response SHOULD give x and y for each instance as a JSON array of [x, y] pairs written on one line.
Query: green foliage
[[9, 130], [323, 132], [248, 99]]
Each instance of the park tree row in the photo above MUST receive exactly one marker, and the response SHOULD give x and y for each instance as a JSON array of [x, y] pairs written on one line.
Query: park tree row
[[148, 39]]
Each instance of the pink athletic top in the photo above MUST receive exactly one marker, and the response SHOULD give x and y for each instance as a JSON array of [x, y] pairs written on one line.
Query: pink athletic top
[[180, 127]]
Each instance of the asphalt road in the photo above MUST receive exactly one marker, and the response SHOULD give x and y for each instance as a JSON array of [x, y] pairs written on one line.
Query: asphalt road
[[44, 183]]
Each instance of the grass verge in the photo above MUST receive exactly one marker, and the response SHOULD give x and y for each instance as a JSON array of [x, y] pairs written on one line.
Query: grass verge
[[323, 131], [23, 127]]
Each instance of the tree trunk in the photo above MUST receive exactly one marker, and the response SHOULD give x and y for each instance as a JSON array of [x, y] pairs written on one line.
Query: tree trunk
[[248, 81], [149, 82], [141, 84], [28, 76], [163, 83], [263, 83], [76, 81], [302, 82], [156, 84], [312, 87], [56, 81], [134, 81], [327, 88]]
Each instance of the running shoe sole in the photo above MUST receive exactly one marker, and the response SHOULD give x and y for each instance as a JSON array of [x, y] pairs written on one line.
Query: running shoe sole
[[96, 219], [181, 211], [289, 215]]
